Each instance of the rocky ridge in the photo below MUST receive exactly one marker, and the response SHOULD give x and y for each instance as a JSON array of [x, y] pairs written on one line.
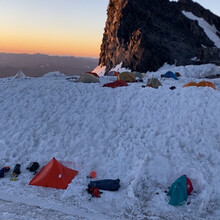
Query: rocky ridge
[[144, 34]]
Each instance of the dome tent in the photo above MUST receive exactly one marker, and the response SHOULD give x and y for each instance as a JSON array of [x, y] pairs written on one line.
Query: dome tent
[[88, 78], [206, 83], [179, 190], [127, 77], [154, 83], [200, 84], [93, 73], [139, 75], [190, 84]]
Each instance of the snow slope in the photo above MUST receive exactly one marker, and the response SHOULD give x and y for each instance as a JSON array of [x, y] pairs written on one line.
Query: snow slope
[[210, 30], [145, 137]]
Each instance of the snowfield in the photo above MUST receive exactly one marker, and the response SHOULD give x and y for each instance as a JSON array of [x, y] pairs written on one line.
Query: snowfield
[[145, 137]]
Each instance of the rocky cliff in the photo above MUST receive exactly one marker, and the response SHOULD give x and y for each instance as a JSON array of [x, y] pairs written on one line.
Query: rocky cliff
[[144, 34]]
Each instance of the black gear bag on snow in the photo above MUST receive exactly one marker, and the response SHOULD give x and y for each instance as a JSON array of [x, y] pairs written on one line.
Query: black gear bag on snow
[[106, 184], [33, 167]]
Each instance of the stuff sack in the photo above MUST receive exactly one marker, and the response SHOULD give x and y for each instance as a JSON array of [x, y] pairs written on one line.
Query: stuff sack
[[117, 83], [106, 184], [3, 171]]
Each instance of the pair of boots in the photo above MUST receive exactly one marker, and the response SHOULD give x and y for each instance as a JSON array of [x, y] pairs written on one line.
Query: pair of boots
[[32, 167]]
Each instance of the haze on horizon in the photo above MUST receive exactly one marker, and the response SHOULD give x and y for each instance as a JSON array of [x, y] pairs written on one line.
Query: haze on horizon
[[55, 27]]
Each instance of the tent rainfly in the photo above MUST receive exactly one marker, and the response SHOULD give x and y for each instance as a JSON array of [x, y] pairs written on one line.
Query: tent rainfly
[[55, 175]]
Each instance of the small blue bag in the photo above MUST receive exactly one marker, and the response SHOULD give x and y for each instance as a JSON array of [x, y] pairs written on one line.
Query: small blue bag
[[3, 171]]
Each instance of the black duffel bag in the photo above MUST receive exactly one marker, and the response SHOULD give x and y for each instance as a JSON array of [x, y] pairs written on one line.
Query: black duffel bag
[[106, 184]]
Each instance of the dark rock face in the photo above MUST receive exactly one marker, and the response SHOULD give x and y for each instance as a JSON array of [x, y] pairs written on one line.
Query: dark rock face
[[144, 34]]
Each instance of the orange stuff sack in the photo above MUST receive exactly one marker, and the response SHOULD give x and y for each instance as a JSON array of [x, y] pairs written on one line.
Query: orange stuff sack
[[93, 174]]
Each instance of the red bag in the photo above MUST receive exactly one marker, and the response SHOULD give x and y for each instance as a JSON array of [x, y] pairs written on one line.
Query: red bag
[[117, 83], [95, 192], [189, 185]]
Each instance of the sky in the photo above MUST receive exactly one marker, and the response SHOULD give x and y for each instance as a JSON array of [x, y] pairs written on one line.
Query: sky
[[57, 27]]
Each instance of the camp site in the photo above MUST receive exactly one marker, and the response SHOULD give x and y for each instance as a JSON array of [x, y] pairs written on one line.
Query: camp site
[[74, 149]]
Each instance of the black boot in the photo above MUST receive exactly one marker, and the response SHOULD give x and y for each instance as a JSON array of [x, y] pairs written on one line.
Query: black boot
[[17, 170]]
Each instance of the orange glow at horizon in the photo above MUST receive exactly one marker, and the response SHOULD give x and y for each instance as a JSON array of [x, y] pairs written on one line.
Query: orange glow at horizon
[[52, 27], [52, 45]]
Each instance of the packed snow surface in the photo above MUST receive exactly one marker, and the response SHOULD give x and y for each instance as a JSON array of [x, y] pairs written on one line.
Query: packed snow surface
[[145, 137]]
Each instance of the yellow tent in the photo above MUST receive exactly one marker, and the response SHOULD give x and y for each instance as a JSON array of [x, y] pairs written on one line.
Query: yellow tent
[[127, 77]]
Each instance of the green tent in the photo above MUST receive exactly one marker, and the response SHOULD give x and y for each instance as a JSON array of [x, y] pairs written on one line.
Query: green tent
[[87, 78], [178, 191], [154, 83], [139, 75]]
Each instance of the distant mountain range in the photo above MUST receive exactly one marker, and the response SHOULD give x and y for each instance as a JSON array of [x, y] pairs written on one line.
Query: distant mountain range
[[38, 64]]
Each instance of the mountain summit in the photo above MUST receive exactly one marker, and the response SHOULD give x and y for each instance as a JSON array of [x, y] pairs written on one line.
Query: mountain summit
[[144, 34]]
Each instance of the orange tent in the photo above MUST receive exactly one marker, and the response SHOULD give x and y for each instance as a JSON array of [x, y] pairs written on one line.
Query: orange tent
[[200, 84], [55, 175], [190, 84], [206, 83]]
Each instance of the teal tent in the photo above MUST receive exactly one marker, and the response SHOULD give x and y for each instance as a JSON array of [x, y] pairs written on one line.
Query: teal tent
[[178, 191]]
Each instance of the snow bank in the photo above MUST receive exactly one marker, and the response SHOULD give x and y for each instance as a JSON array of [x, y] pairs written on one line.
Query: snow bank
[[120, 69], [100, 70], [54, 74], [189, 71], [145, 137]]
